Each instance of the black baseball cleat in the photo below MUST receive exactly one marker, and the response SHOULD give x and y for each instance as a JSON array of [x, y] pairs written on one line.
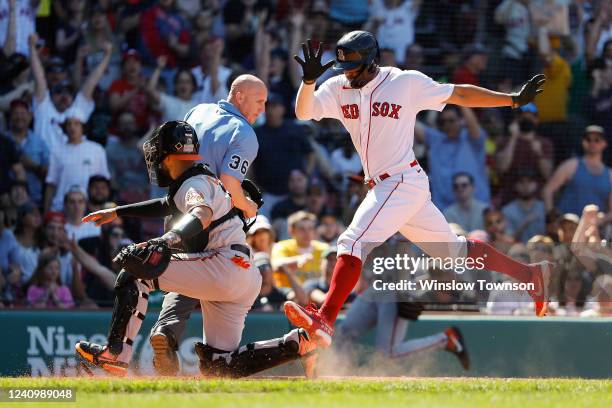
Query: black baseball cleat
[[309, 355], [165, 360], [92, 355], [456, 345]]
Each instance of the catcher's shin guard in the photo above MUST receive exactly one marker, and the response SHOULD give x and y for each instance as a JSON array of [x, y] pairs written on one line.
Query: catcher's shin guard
[[131, 301], [250, 359]]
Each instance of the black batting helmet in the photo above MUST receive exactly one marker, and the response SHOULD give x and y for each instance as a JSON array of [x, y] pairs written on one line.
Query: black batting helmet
[[355, 49], [176, 138]]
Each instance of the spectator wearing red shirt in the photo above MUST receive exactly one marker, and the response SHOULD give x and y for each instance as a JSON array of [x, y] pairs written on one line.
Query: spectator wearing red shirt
[[475, 62], [128, 93], [164, 32]]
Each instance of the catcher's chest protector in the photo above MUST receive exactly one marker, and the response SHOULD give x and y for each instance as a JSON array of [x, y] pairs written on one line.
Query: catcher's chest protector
[[199, 242]]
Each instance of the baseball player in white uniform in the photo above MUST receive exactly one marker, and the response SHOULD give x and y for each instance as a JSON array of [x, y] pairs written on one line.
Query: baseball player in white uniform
[[210, 262], [378, 107]]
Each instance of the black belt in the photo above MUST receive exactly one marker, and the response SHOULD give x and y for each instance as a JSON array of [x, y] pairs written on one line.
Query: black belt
[[241, 248]]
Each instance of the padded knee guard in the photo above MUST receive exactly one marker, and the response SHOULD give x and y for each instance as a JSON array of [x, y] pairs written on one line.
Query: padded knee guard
[[127, 293], [247, 360]]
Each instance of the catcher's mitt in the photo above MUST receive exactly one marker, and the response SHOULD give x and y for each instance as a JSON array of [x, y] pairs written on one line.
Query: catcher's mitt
[[145, 262], [409, 310], [253, 192]]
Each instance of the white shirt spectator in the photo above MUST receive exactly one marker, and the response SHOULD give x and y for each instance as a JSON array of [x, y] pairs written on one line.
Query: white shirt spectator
[[82, 231], [344, 166], [24, 27], [47, 119], [514, 16], [396, 30], [204, 93], [74, 164], [173, 108]]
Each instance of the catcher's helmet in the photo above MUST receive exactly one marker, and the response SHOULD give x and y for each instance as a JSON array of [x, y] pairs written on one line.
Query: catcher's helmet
[[355, 49], [176, 138]]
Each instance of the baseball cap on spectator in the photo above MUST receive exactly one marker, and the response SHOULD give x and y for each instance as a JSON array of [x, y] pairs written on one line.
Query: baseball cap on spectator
[[332, 249], [98, 177], [593, 129], [530, 107], [55, 65], [569, 217], [63, 86], [18, 103], [54, 216], [130, 53], [75, 189], [261, 223]]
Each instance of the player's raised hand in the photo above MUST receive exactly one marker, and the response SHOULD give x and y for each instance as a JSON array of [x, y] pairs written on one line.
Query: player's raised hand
[[101, 217], [529, 91], [311, 64]]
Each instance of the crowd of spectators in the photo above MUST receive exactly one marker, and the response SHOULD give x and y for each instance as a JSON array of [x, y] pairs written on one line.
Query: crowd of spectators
[[84, 82]]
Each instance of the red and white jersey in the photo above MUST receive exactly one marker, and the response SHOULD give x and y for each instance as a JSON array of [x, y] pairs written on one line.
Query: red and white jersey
[[380, 117]]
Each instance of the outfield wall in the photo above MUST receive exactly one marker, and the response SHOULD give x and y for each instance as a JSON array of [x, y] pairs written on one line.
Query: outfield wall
[[41, 343]]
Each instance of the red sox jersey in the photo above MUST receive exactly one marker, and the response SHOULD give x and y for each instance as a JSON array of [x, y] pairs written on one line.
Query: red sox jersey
[[380, 117]]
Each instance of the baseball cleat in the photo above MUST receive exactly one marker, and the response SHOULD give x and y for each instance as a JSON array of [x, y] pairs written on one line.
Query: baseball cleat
[[309, 356], [99, 356], [309, 319], [456, 345], [540, 277], [165, 360]]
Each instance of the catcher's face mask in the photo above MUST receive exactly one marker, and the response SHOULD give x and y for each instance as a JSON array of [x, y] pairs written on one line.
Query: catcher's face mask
[[158, 173]]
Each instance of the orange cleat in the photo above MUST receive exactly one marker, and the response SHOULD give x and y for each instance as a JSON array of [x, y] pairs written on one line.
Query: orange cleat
[[540, 277], [309, 319], [309, 357], [456, 345], [99, 356]]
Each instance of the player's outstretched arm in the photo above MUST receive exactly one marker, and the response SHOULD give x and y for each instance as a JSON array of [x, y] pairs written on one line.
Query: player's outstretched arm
[[155, 208], [477, 97]]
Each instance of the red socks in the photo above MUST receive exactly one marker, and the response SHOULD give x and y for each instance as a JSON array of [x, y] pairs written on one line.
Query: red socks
[[497, 261], [345, 277]]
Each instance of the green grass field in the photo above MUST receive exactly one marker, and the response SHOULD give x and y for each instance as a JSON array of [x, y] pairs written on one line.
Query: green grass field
[[333, 392]]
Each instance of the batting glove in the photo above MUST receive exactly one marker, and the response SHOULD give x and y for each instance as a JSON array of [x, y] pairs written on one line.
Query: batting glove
[[529, 91], [311, 64]]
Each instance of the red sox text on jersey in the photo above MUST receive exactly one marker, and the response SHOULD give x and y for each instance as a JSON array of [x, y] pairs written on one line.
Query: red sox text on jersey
[[384, 109]]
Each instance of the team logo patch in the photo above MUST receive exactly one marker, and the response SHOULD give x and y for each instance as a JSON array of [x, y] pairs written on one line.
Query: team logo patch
[[340, 55], [194, 198]]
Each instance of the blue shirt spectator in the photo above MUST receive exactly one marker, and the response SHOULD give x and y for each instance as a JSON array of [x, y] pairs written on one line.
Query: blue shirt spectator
[[33, 149], [453, 149]]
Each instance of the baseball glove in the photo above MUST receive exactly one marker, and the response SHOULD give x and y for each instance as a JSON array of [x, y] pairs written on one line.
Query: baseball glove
[[409, 310], [145, 262], [253, 192]]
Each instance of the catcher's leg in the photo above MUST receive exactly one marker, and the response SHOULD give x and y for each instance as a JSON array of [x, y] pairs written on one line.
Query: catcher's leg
[[256, 357], [167, 332], [131, 301]]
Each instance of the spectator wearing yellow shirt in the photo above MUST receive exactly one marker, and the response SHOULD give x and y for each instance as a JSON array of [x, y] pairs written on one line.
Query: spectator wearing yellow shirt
[[300, 256], [552, 103]]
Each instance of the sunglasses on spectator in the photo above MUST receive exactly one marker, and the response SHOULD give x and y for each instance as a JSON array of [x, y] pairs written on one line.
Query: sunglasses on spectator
[[447, 120], [117, 234], [494, 221], [458, 186], [593, 139]]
